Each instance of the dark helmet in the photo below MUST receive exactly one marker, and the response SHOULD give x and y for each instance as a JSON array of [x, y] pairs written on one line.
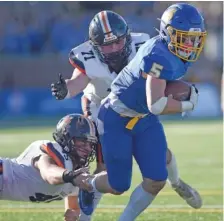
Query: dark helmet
[[72, 129], [110, 37]]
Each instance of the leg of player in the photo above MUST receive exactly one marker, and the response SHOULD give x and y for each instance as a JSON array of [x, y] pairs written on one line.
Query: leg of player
[[92, 200], [141, 198], [189, 194], [88, 203], [118, 158], [100, 166], [100, 185], [150, 154], [173, 174]]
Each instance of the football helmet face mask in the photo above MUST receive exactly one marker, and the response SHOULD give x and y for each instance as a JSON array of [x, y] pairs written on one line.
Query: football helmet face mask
[[182, 27], [110, 37], [76, 134]]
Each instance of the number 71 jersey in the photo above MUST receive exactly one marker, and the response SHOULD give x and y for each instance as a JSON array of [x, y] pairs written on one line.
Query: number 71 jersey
[[83, 58]]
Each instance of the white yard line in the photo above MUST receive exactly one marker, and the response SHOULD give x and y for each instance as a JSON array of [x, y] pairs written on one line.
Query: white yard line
[[104, 206]]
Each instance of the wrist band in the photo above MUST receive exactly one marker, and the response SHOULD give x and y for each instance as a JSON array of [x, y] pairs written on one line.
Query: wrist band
[[186, 106], [69, 176]]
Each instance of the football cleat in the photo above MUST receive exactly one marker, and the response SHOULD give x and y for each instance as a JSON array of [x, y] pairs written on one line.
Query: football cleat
[[86, 202], [189, 194]]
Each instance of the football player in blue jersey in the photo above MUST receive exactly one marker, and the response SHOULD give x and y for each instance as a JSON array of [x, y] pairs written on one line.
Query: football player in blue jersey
[[128, 119]]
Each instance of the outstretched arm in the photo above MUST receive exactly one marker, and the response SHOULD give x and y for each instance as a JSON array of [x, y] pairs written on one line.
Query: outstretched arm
[[77, 83], [70, 87], [54, 174], [49, 170], [72, 210]]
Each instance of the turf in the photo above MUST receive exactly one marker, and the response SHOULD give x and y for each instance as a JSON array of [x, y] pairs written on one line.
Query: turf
[[198, 150]]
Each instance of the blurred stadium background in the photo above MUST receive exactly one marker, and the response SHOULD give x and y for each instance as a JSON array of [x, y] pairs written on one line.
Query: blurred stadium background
[[35, 39]]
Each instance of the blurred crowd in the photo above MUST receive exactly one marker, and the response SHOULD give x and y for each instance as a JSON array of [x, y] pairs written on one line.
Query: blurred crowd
[[36, 28]]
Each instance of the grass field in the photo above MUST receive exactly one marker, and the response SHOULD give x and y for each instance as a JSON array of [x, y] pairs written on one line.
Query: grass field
[[198, 149]]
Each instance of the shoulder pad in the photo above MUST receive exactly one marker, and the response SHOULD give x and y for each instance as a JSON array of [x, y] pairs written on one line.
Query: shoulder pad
[[140, 36], [75, 62], [79, 55], [55, 152], [138, 39]]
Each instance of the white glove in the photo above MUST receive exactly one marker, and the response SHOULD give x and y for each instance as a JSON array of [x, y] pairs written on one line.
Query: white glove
[[190, 105], [194, 96]]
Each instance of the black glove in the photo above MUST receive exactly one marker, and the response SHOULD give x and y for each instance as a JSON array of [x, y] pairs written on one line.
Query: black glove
[[59, 89]]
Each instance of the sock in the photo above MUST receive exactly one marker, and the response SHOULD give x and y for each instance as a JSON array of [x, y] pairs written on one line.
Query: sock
[[173, 175], [92, 182], [139, 201], [97, 195], [84, 217], [97, 198]]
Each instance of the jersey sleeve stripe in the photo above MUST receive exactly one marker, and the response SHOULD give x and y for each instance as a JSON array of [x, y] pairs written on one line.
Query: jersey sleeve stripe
[[54, 154], [78, 64]]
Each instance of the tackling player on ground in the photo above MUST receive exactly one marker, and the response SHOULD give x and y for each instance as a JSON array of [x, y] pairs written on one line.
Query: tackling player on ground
[[51, 170], [130, 113]]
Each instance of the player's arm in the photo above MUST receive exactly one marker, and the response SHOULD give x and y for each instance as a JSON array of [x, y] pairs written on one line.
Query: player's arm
[[159, 104], [71, 202], [77, 83], [85, 102], [70, 87], [155, 89], [72, 210], [55, 174], [49, 170]]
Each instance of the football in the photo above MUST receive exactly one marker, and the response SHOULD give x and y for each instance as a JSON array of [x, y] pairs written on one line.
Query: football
[[181, 90]]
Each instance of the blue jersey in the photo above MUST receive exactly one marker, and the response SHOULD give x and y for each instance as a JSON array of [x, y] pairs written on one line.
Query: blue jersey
[[153, 58]]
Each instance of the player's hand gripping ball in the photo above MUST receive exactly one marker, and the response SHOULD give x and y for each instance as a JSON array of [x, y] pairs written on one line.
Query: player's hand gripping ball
[[181, 90]]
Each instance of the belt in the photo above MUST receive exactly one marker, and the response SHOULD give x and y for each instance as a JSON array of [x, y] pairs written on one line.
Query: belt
[[124, 111]]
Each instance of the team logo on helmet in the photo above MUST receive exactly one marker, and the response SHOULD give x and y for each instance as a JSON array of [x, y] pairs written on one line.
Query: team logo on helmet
[[168, 15], [64, 121], [109, 38]]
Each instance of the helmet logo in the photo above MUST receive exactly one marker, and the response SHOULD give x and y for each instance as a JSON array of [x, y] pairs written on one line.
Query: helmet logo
[[168, 15], [81, 124], [105, 24], [65, 121], [109, 38]]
